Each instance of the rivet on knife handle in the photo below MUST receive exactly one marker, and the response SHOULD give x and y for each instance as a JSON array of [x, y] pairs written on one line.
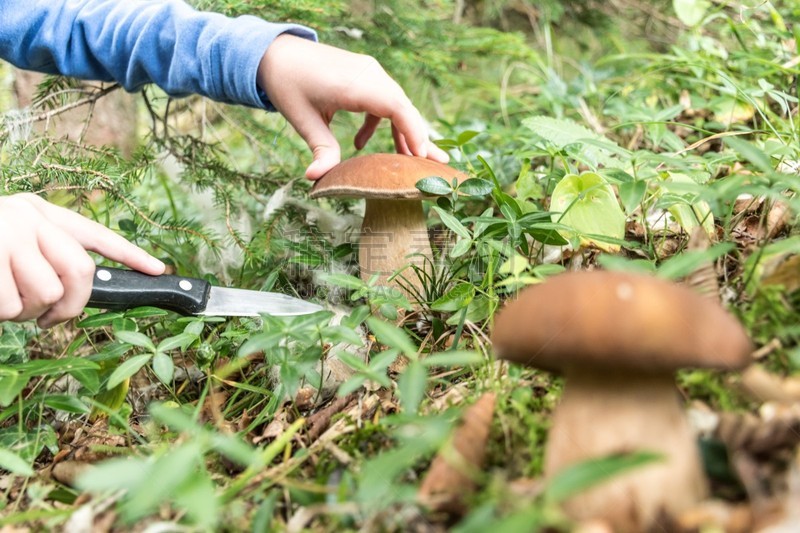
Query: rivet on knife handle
[[116, 288]]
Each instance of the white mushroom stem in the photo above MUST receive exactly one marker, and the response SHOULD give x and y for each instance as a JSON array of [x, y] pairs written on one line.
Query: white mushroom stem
[[603, 413], [393, 235]]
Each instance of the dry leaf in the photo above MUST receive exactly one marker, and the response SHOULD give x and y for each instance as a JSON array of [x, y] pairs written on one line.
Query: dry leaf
[[451, 475], [275, 428], [785, 273], [318, 422], [714, 515], [760, 219]]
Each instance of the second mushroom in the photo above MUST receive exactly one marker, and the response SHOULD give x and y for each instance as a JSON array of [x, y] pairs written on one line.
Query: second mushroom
[[618, 339]]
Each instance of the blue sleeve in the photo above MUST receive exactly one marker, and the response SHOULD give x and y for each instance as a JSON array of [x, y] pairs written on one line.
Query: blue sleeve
[[136, 42]]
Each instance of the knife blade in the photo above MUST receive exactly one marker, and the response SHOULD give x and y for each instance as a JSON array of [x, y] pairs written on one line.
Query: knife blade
[[115, 288]]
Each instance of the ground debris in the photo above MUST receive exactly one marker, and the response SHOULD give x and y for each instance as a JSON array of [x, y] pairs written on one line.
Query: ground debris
[[705, 279], [88, 443], [320, 421], [760, 219], [451, 475], [764, 386], [762, 449], [717, 515]]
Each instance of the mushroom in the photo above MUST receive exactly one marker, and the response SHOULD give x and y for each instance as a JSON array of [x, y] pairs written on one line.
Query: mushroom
[[618, 338], [394, 233]]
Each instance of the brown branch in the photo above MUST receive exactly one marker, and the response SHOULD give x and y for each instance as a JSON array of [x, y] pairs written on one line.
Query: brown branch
[[107, 185], [47, 115]]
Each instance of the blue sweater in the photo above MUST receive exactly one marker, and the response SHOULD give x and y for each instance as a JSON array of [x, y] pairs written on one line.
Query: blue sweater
[[136, 42]]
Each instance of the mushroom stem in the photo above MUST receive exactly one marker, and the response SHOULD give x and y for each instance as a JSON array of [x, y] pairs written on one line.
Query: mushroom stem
[[394, 234], [603, 413]]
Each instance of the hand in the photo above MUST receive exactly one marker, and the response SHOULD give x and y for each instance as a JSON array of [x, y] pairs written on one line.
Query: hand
[[45, 272], [308, 82]]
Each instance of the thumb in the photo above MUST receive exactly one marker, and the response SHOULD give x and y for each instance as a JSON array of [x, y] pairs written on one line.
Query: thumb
[[326, 156], [319, 138]]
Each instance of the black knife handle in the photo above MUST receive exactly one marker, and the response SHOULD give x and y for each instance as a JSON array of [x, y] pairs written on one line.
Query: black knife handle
[[115, 288]]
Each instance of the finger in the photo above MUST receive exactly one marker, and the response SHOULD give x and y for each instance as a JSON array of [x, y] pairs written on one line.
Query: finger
[[437, 154], [319, 137], [410, 125], [37, 283], [98, 238], [392, 103], [367, 130], [75, 269], [10, 302], [400, 143]]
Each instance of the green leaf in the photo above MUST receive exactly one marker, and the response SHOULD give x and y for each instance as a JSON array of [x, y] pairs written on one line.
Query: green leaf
[[14, 463], [166, 475], [195, 327], [29, 442], [342, 334], [89, 379], [455, 299], [461, 247], [356, 317], [137, 339], [145, 312], [234, 448], [261, 342], [11, 385], [631, 194], [115, 474], [164, 367], [356, 363], [528, 186], [411, 386], [66, 403], [588, 205], [503, 199], [127, 369], [475, 187], [622, 264], [683, 264], [453, 358], [749, 152], [343, 280], [452, 222], [127, 225], [351, 385], [13, 341], [690, 212], [691, 12], [48, 367], [563, 132], [434, 185], [181, 340], [466, 136], [547, 233], [587, 474], [198, 497], [392, 336], [101, 319], [514, 265]]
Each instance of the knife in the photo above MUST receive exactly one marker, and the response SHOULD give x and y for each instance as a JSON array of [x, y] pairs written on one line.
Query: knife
[[115, 288]]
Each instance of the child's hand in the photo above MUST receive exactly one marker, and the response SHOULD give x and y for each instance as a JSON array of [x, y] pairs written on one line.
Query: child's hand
[[45, 272], [308, 82]]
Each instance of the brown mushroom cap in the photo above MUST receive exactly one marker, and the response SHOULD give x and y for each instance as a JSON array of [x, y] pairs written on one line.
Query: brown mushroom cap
[[382, 176], [604, 320]]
